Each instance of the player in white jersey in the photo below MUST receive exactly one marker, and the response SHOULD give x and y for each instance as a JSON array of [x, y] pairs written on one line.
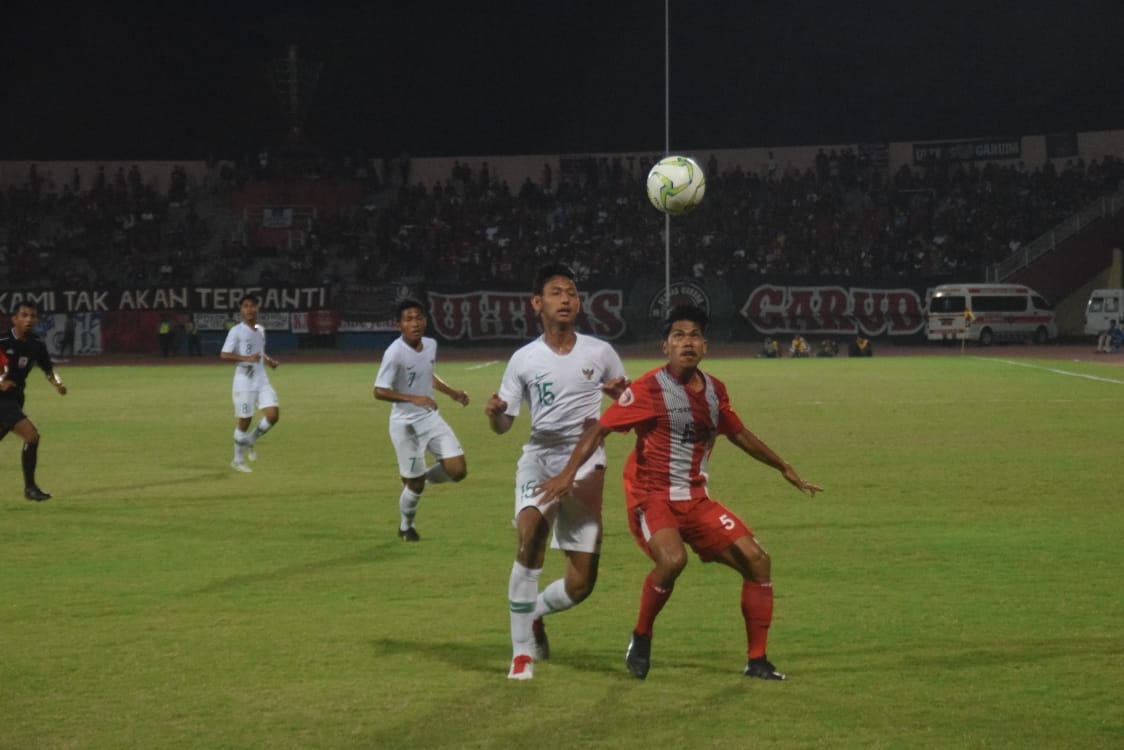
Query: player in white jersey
[[406, 379], [245, 344], [562, 376]]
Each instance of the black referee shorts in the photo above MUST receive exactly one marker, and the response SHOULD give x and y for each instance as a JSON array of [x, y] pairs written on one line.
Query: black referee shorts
[[11, 414]]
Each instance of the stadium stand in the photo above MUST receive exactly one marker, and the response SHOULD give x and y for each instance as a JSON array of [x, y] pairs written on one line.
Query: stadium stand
[[843, 218]]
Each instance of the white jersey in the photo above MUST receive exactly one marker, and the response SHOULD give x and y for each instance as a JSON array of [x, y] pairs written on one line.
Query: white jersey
[[406, 370], [244, 340], [562, 390]]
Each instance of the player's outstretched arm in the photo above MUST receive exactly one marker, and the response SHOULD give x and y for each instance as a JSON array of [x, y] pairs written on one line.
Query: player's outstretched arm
[[756, 448], [54, 379], [560, 484], [386, 394], [461, 397], [498, 418], [234, 357], [615, 387]]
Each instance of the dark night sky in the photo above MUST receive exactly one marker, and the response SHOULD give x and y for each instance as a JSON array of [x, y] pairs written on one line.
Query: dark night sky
[[106, 81]]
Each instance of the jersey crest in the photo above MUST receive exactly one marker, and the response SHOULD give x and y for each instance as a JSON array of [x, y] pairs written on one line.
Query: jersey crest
[[696, 432]]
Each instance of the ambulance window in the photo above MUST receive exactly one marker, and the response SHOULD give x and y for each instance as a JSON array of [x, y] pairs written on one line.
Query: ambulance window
[[999, 303], [1096, 304], [950, 304], [1041, 304], [1110, 305]]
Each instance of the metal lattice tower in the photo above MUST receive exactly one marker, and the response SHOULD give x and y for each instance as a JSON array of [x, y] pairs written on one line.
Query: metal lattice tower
[[294, 82]]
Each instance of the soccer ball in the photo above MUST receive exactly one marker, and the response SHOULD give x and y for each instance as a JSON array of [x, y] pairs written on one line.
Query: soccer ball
[[676, 185]]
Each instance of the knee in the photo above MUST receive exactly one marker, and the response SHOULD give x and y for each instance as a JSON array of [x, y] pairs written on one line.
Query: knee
[[678, 563], [671, 563], [415, 484], [532, 533], [761, 567], [580, 581], [456, 467], [579, 591]]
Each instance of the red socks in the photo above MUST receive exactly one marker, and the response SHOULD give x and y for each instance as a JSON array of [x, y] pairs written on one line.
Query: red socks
[[757, 609], [652, 599]]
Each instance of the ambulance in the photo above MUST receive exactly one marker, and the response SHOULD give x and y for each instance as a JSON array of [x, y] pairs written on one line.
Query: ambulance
[[1103, 307], [988, 313]]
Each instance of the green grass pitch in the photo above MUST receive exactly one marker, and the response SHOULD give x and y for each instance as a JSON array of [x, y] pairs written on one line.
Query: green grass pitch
[[959, 584]]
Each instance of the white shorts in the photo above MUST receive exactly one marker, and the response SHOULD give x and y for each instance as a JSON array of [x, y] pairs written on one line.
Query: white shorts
[[412, 440], [246, 402], [575, 516]]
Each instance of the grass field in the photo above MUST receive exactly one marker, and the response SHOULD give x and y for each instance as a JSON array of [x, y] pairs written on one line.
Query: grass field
[[958, 585]]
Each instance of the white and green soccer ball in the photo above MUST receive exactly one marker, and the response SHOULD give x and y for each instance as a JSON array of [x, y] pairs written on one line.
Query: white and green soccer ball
[[676, 184]]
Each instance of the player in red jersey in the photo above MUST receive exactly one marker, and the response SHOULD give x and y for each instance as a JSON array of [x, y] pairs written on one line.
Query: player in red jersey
[[677, 412]]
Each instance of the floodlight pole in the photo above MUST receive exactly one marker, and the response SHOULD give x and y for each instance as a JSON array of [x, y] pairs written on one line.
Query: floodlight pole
[[666, 151]]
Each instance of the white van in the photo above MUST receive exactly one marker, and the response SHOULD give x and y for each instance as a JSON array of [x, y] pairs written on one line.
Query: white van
[[1105, 305], [990, 312]]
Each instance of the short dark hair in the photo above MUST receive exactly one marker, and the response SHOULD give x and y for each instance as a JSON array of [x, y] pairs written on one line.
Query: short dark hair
[[407, 304], [548, 272], [23, 303], [693, 313], [245, 297]]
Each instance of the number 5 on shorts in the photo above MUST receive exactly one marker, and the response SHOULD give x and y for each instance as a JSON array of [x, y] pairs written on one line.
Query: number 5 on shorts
[[727, 522]]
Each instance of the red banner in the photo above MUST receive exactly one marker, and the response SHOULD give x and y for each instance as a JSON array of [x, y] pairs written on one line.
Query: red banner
[[133, 331]]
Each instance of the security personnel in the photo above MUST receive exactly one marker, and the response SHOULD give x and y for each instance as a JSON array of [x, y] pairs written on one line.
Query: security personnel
[[164, 334]]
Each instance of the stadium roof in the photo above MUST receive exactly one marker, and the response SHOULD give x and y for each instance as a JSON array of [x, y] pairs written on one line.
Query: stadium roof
[[442, 79]]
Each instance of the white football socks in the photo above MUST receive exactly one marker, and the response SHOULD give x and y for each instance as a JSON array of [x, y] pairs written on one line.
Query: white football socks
[[241, 440], [437, 474], [261, 429], [552, 599], [408, 505], [522, 589]]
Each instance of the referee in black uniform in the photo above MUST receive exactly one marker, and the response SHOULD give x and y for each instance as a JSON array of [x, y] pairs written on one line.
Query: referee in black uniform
[[23, 349]]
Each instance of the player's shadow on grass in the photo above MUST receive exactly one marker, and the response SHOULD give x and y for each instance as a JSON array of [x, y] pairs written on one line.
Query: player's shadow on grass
[[488, 658], [857, 525], [876, 657], [103, 489], [1018, 651], [363, 557]]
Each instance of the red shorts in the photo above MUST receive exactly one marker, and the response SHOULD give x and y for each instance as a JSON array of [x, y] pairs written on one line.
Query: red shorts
[[707, 526]]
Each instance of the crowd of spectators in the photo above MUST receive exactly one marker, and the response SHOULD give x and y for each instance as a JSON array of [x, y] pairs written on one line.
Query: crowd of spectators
[[844, 217], [116, 232]]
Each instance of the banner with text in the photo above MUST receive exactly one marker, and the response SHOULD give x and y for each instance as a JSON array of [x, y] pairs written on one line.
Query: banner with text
[[198, 298], [977, 150], [739, 310]]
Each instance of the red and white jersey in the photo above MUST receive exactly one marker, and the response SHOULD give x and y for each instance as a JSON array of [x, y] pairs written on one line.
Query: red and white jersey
[[675, 431]]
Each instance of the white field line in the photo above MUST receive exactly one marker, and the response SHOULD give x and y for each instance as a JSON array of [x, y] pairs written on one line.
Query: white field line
[[482, 365], [1055, 370]]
